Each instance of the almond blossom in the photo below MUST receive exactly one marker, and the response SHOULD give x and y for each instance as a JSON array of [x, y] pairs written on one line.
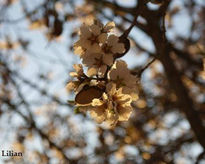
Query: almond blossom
[[113, 107], [95, 64], [122, 77], [111, 88], [79, 81], [92, 36], [112, 47], [78, 71]]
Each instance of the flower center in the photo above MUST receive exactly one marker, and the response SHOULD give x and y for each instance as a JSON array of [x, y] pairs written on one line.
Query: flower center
[[93, 39], [119, 81], [98, 62], [106, 48]]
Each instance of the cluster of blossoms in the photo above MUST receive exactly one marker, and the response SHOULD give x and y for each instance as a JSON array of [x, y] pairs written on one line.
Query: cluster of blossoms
[[107, 89]]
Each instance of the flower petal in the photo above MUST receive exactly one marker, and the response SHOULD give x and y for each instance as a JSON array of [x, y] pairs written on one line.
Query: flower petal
[[92, 71], [95, 29], [102, 38], [111, 88], [78, 50], [109, 26], [124, 113], [108, 59], [112, 40], [95, 48], [118, 48], [97, 102], [102, 70], [84, 31]]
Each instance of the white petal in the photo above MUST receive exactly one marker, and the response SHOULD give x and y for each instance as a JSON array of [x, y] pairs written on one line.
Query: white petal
[[78, 67], [92, 71], [70, 86], [95, 48], [73, 74], [105, 97], [108, 59], [120, 64], [102, 38], [118, 48], [109, 26], [113, 74], [95, 29], [84, 31], [78, 50], [98, 114], [97, 102], [102, 70], [124, 113], [111, 88], [98, 23], [87, 44], [112, 40]]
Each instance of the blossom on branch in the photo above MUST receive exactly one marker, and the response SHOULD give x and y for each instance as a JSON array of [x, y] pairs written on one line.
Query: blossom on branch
[[108, 88], [91, 37], [121, 76], [113, 107], [95, 63]]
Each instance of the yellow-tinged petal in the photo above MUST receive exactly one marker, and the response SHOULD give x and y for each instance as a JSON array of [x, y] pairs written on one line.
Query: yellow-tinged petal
[[118, 48], [112, 40], [102, 38], [109, 26], [108, 59], [92, 71], [124, 113], [73, 74], [95, 29], [97, 102]]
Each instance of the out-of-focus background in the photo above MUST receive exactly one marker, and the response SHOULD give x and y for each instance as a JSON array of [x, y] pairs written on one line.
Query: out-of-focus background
[[36, 56]]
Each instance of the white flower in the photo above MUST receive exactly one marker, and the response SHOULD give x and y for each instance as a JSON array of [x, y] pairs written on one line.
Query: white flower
[[78, 50], [80, 81], [110, 48], [76, 85], [72, 85], [90, 38], [120, 103], [78, 71], [113, 107], [122, 77], [109, 27], [98, 110], [107, 98], [95, 63], [113, 45]]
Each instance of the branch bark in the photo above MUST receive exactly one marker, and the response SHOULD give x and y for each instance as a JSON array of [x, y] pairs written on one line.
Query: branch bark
[[174, 78]]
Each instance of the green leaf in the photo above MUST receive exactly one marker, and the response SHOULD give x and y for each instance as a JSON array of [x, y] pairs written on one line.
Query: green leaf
[[77, 110], [71, 102]]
